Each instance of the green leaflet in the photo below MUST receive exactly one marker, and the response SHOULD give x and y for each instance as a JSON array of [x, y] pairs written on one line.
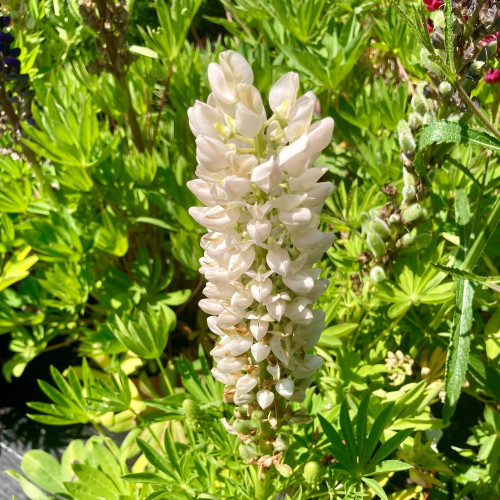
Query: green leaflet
[[457, 133], [458, 357]]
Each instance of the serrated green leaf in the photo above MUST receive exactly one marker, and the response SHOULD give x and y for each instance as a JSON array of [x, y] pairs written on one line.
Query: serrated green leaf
[[457, 133]]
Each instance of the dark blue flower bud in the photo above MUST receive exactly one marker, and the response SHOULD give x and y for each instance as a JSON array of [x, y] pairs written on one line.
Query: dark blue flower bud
[[4, 21], [3, 47], [14, 52], [6, 38], [31, 121], [12, 62]]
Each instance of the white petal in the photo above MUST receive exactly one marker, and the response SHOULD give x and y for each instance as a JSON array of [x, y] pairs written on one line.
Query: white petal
[[248, 123], [260, 351], [284, 387], [235, 186], [246, 384], [320, 135], [278, 260], [283, 94], [211, 306], [267, 176], [201, 190], [298, 218], [265, 398], [229, 365], [259, 229], [236, 66], [240, 345], [202, 120], [298, 311], [318, 194], [259, 328], [296, 157], [306, 181], [219, 84], [300, 117], [225, 378], [279, 350], [260, 289], [302, 282], [243, 398], [241, 300]]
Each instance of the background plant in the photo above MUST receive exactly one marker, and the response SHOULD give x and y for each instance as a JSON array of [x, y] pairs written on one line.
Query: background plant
[[99, 257]]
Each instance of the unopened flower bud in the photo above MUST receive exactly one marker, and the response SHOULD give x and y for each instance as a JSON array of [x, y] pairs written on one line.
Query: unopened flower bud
[[407, 239], [415, 120], [376, 244], [195, 417], [313, 474], [445, 88], [406, 140], [412, 213], [409, 193], [380, 227], [243, 426], [377, 274]]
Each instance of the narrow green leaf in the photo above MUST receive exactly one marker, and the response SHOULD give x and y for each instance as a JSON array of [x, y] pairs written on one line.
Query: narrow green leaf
[[448, 35], [377, 429], [377, 489], [389, 446], [337, 447], [458, 353], [348, 431]]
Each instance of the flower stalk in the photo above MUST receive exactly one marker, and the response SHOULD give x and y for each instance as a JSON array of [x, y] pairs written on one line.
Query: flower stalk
[[262, 200]]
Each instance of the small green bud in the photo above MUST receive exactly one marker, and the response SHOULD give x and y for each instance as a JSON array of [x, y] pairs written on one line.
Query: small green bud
[[243, 426], [409, 192], [445, 88], [194, 415], [300, 416], [377, 274], [454, 117], [406, 140], [247, 452], [429, 117], [313, 473], [376, 244], [419, 103], [415, 120], [380, 227], [394, 219], [412, 213], [407, 239], [477, 67]]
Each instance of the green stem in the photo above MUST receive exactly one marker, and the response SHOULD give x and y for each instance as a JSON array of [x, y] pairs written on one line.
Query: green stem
[[476, 111], [482, 238], [132, 117], [168, 384], [263, 485]]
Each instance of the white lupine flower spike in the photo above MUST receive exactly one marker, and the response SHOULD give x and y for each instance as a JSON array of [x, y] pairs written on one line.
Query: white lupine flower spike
[[262, 200]]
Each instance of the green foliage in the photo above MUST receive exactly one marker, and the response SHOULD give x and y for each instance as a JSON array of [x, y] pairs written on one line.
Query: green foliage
[[99, 256]]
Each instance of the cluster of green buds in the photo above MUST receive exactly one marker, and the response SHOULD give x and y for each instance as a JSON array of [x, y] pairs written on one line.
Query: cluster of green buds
[[392, 227], [109, 19]]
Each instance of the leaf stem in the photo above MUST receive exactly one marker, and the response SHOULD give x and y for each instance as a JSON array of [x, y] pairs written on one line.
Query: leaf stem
[[477, 111], [168, 384]]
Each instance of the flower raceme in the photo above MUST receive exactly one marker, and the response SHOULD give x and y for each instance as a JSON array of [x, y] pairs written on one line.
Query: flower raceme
[[262, 200]]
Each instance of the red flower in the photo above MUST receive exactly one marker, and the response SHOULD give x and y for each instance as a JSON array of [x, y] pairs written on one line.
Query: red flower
[[492, 76], [432, 5], [430, 25]]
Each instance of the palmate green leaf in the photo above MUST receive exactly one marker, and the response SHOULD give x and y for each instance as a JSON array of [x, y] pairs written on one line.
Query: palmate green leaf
[[45, 471], [376, 432], [157, 460], [30, 490], [458, 354], [95, 481], [457, 133]]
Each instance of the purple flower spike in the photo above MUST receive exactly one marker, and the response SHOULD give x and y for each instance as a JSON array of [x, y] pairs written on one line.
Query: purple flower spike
[[15, 52], [4, 21], [6, 38]]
